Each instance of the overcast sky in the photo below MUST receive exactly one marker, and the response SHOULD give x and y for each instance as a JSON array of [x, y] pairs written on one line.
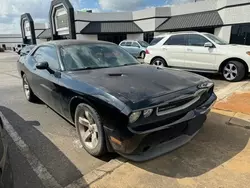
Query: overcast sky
[[10, 10]]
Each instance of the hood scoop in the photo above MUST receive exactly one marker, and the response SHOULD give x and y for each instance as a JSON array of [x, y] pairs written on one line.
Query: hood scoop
[[116, 74]]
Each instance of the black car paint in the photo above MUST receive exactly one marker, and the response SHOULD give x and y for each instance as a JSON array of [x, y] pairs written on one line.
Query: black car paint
[[114, 92]]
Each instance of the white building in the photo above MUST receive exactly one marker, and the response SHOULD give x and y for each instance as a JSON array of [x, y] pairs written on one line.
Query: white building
[[228, 19], [8, 41]]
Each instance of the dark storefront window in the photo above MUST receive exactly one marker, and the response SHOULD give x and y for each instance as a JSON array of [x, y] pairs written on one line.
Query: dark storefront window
[[115, 38], [240, 34], [148, 37]]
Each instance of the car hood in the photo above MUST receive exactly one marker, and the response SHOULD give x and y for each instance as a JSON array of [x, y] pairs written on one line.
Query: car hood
[[236, 47], [137, 82]]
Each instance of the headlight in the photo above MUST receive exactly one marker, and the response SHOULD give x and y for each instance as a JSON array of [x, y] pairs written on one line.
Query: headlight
[[248, 53], [147, 113], [206, 85], [134, 117]]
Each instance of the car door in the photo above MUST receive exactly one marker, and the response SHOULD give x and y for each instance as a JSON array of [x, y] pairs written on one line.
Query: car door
[[135, 49], [45, 83], [198, 56], [127, 47], [174, 50]]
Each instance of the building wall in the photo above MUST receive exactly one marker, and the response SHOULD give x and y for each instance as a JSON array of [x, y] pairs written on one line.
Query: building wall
[[137, 36], [86, 37], [142, 14], [80, 25], [235, 15], [199, 6], [38, 32], [146, 25], [223, 32], [10, 40], [111, 16], [40, 41]]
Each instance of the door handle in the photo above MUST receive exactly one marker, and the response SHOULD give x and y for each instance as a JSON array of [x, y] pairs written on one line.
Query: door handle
[[189, 50]]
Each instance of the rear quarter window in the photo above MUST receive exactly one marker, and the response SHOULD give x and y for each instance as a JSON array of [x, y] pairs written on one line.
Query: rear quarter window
[[155, 41]]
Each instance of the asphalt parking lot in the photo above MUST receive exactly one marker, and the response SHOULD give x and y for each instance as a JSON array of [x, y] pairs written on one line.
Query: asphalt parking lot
[[49, 137]]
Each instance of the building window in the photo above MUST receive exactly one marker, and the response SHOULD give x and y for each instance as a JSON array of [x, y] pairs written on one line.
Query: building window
[[148, 37], [240, 34], [112, 37]]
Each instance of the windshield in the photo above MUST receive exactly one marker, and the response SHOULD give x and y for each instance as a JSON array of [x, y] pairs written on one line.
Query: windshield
[[216, 39], [94, 56], [143, 44]]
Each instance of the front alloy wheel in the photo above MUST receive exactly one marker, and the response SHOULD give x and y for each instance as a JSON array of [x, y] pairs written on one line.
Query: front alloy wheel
[[90, 130], [233, 71], [30, 96]]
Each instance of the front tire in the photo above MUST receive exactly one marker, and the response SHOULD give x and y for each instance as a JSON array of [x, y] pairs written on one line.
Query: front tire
[[159, 62], [233, 71], [30, 96], [90, 130]]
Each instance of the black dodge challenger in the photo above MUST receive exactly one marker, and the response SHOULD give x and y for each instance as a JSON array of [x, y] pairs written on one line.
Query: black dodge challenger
[[116, 103]]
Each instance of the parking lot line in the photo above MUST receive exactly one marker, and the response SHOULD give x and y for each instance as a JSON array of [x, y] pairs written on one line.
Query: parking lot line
[[40, 170]]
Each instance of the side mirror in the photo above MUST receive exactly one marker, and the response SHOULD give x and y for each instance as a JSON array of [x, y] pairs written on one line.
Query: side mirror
[[42, 65], [208, 45]]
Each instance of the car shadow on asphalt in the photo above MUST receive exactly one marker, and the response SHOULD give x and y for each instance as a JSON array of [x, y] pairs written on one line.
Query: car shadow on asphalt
[[216, 143], [57, 164], [106, 158]]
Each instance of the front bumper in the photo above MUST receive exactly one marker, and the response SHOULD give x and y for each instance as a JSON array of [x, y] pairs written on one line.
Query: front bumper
[[146, 146]]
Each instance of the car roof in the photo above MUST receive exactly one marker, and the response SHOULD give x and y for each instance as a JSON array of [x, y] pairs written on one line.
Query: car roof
[[130, 40], [178, 32], [75, 42]]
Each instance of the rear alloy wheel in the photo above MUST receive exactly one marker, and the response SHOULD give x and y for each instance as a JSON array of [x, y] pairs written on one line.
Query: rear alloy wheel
[[160, 62], [90, 130], [143, 54], [30, 96], [233, 71]]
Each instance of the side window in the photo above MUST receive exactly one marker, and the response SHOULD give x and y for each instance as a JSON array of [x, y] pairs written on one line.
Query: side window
[[176, 40], [38, 55], [123, 44], [128, 43], [196, 40], [47, 54], [135, 44]]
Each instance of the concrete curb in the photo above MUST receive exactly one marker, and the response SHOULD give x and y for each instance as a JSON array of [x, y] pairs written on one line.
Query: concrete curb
[[235, 118], [231, 88], [97, 174]]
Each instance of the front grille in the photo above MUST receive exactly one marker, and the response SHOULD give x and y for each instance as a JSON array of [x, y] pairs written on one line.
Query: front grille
[[157, 124], [160, 121], [174, 104]]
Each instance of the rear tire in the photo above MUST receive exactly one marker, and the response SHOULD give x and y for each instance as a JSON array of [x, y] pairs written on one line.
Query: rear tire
[[159, 62], [142, 54], [90, 130], [30, 96], [233, 71]]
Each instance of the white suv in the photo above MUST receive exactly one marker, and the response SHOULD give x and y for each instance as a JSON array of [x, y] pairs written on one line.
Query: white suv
[[199, 52]]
